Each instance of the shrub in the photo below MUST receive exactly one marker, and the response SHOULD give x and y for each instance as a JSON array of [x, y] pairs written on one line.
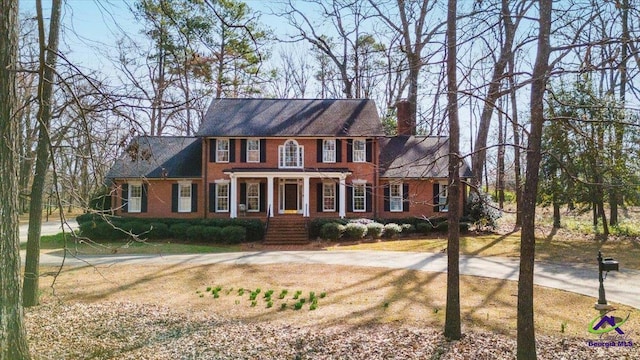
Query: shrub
[[375, 230], [195, 232], [464, 227], [315, 226], [482, 210], [100, 230], [159, 230], [424, 228], [179, 230], [392, 229], [355, 230], [408, 229], [442, 227], [101, 199], [212, 234], [331, 231], [362, 221], [233, 234]]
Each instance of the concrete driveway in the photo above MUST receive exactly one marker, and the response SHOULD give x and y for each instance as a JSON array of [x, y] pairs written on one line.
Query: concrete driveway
[[48, 228], [621, 287]]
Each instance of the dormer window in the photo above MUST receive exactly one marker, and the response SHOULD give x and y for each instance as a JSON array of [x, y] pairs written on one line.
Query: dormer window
[[291, 155]]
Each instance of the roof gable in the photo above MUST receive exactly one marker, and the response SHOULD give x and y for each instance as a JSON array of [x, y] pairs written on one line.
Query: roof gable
[[291, 117]]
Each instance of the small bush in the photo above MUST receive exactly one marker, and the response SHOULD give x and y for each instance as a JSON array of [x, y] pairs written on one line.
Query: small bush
[[100, 230], [159, 231], [195, 232], [331, 231], [355, 230], [392, 229], [233, 234], [315, 226], [211, 234], [362, 221], [442, 227], [408, 229], [179, 230], [424, 228], [464, 227], [482, 210], [375, 230]]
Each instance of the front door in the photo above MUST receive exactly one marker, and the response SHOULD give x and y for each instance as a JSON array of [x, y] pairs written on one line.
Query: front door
[[290, 197]]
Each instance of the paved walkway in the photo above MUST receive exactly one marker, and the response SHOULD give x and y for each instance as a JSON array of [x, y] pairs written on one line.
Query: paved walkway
[[621, 287], [48, 228]]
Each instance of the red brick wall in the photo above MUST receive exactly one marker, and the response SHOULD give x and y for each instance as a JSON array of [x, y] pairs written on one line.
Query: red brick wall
[[420, 198], [159, 200]]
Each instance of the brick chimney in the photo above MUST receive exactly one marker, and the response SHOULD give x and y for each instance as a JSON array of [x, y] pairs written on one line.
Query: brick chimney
[[405, 125]]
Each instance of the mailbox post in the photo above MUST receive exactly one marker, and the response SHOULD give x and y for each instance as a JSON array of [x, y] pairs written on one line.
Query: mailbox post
[[604, 264]]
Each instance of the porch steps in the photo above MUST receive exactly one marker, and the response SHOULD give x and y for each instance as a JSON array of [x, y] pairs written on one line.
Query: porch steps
[[287, 230]]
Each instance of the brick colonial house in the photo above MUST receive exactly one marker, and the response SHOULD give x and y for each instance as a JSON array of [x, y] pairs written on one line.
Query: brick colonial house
[[287, 160]]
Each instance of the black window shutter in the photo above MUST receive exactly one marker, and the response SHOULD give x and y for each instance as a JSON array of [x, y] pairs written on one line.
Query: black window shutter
[[212, 197], [263, 197], [194, 197], [174, 197], [125, 197], [436, 197], [212, 150], [319, 152], [338, 150], [144, 199], [405, 197], [243, 194], [337, 197], [369, 150], [387, 198], [349, 198], [369, 197], [243, 150], [263, 150], [349, 150], [232, 150], [319, 190]]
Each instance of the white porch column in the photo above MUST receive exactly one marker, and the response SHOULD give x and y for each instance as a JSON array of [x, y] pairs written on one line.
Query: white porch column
[[342, 208], [233, 196], [305, 197], [270, 195]]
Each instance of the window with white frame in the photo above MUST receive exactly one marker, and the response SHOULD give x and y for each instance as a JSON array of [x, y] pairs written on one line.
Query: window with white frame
[[253, 197], [135, 198], [359, 150], [329, 151], [395, 197], [222, 197], [222, 150], [253, 150], [291, 155], [328, 197], [184, 197], [359, 198], [442, 197]]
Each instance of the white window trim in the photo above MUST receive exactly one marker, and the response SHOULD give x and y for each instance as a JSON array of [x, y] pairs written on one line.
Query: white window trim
[[399, 197], [257, 185], [131, 198], [187, 207], [324, 197], [329, 155], [355, 158], [443, 205], [364, 196], [282, 156], [228, 197], [256, 151], [218, 151]]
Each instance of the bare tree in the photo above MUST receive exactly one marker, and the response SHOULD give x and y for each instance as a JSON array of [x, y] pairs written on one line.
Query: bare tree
[[13, 337]]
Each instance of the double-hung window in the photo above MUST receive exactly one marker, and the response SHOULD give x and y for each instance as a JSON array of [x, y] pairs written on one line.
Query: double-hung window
[[442, 197], [359, 150], [222, 197], [359, 198], [395, 197], [328, 197], [222, 150], [253, 197], [253, 150], [135, 198], [184, 197], [329, 151]]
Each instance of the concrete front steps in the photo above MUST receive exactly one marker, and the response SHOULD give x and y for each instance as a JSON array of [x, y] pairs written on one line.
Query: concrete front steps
[[287, 230]]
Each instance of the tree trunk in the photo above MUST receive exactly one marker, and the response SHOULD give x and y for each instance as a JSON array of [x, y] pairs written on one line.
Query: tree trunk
[[516, 143], [48, 55], [452, 326], [13, 336], [556, 215], [526, 340], [501, 153]]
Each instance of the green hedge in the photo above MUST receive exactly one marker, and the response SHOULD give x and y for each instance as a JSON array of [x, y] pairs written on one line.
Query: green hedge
[[96, 228]]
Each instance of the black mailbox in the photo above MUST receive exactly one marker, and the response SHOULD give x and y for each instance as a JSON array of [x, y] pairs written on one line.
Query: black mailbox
[[608, 264]]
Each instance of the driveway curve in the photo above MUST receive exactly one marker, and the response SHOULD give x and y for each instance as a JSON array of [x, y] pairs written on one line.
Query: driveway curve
[[621, 287]]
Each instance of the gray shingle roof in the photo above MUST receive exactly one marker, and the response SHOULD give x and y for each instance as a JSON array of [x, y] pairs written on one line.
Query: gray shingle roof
[[291, 117], [416, 157], [180, 157]]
